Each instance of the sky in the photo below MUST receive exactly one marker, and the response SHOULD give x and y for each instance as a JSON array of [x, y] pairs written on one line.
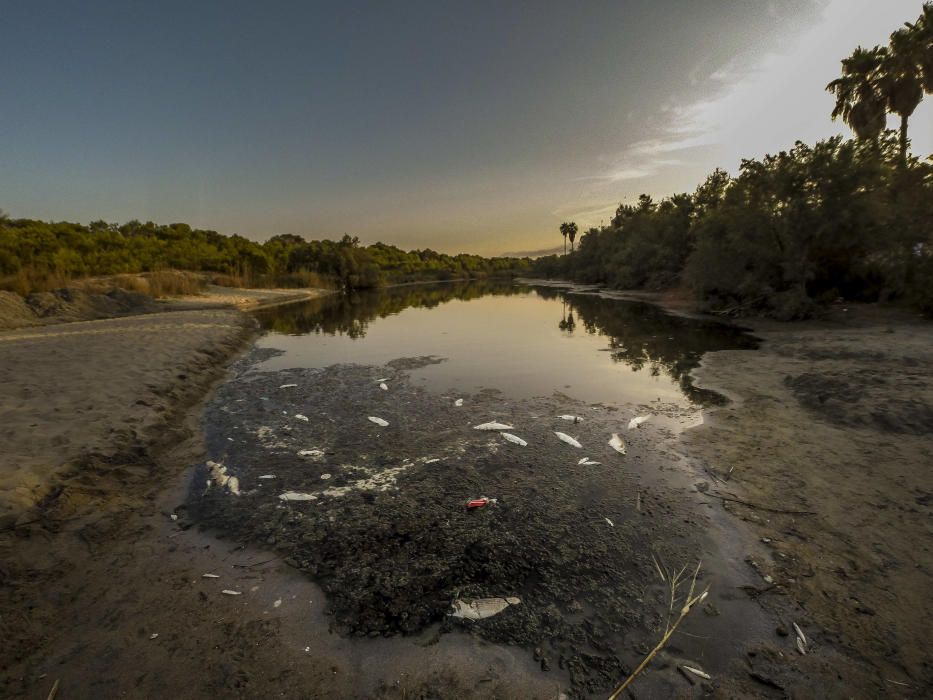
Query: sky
[[472, 126]]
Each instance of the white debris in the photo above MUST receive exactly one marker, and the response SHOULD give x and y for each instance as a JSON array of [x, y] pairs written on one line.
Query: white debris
[[325, 477], [458, 402], [800, 633], [313, 452], [801, 647], [514, 438], [575, 419], [432, 461], [378, 421], [277, 603], [153, 635], [697, 672], [583, 461], [297, 496], [173, 516], [493, 426], [481, 607], [383, 379], [230, 439], [587, 462], [298, 416], [383, 386], [267, 476], [219, 475], [227, 591], [617, 443], [209, 576], [569, 440], [634, 423], [288, 386], [609, 521]]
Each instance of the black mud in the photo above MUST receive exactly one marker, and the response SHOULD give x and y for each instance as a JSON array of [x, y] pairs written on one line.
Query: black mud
[[390, 540]]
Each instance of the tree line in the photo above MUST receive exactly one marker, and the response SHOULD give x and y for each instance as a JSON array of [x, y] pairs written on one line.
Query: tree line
[[30, 249], [850, 218]]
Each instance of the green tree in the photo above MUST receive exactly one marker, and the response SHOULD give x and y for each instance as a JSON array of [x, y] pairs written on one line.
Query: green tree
[[900, 79], [860, 100]]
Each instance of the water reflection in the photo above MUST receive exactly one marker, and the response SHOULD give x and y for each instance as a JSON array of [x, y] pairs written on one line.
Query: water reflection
[[501, 338]]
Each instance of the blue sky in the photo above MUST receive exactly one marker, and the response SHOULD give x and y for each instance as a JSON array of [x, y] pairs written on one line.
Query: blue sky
[[460, 126]]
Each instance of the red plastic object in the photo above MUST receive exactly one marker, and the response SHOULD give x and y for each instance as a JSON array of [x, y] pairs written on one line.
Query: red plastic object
[[477, 502]]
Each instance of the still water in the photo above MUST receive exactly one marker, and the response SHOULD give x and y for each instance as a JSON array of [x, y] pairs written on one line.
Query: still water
[[523, 341]]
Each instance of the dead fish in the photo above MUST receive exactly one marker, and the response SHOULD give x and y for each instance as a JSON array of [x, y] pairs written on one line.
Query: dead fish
[[583, 461], [575, 419], [616, 443], [458, 402], [432, 461], [383, 386], [288, 386], [384, 379], [298, 416], [634, 423], [481, 608], [209, 576], [801, 647], [227, 591], [297, 496], [799, 632], [311, 453], [697, 672], [325, 477], [589, 463], [378, 421], [493, 426], [514, 438], [267, 476], [566, 438], [609, 521]]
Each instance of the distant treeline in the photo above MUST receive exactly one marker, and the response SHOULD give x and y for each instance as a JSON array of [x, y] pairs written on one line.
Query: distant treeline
[[31, 251], [850, 219], [842, 218]]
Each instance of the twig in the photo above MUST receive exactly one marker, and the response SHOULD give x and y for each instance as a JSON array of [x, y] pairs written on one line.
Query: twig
[[54, 691], [689, 602], [758, 507]]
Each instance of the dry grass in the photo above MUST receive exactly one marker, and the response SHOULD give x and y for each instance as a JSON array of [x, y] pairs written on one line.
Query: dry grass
[[29, 280], [677, 602]]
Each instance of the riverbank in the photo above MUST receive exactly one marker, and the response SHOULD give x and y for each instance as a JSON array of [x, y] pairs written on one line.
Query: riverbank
[[834, 418]]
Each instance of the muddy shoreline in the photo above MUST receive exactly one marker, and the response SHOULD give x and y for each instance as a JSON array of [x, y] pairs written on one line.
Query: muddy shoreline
[[104, 567]]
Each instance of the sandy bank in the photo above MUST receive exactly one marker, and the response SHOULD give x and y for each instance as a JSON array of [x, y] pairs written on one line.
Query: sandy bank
[[835, 417]]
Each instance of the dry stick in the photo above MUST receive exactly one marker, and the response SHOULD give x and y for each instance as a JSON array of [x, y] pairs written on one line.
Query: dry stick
[[758, 507], [54, 691], [688, 606]]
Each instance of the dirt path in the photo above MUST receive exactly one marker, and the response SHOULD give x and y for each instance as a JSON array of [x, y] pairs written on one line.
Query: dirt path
[[836, 417]]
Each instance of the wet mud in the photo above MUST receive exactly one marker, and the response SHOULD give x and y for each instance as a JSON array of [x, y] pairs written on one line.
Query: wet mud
[[376, 515]]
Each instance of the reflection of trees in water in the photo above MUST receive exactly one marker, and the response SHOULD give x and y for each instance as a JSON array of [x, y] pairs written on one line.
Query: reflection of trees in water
[[351, 314], [645, 338]]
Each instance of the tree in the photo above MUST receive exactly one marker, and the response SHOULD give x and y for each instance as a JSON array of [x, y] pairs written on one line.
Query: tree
[[571, 233], [923, 35], [564, 230], [860, 100], [900, 78]]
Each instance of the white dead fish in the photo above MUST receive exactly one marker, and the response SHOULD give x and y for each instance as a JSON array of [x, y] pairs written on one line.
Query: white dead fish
[[383, 386], [209, 576], [297, 496], [616, 443], [481, 607], [609, 521], [697, 672], [227, 591], [514, 438], [311, 453], [384, 379], [634, 423], [801, 647], [288, 386], [432, 461], [493, 426], [298, 416], [569, 440], [458, 402], [575, 419], [589, 462], [325, 477], [378, 421], [800, 634], [267, 476], [154, 635], [583, 461]]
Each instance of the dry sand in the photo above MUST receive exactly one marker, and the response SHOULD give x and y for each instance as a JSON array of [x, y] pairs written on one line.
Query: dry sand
[[835, 417]]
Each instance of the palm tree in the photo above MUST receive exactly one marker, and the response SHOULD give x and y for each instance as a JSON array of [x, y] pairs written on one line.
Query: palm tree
[[859, 98], [565, 230], [571, 233], [900, 78], [923, 34]]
